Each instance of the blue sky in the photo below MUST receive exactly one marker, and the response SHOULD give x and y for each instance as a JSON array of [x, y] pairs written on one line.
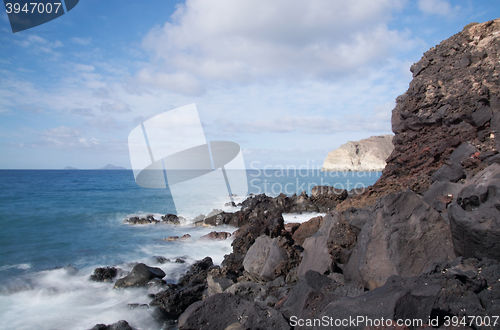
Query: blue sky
[[287, 80]]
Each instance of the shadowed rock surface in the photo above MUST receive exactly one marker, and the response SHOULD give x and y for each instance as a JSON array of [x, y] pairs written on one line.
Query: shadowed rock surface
[[140, 275]]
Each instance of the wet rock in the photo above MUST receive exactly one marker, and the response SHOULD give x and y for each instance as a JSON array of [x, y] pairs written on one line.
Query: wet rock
[[171, 238], [120, 325], [171, 219], [307, 229], [156, 285], [404, 237], [222, 218], [149, 219], [173, 301], [104, 274], [140, 275], [160, 259], [216, 235], [475, 216], [263, 257], [225, 310]]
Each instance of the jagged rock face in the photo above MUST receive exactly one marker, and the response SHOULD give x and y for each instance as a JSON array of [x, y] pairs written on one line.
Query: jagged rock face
[[364, 155], [454, 98]]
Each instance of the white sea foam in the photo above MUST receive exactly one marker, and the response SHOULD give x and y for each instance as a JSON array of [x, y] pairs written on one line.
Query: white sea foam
[[297, 217], [16, 266], [58, 299]]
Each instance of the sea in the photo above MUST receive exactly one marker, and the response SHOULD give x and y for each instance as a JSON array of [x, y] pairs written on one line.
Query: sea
[[57, 226]]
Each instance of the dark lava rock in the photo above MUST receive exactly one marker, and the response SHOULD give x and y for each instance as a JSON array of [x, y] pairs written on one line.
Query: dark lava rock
[[149, 219], [217, 283], [225, 310], [326, 198], [171, 219], [330, 245], [120, 325], [259, 215], [475, 217], [303, 203], [263, 257], [247, 290], [452, 172], [398, 298], [173, 301], [445, 109], [469, 288], [104, 274], [223, 218], [311, 294], [307, 229], [216, 235], [404, 237], [140, 275], [160, 259]]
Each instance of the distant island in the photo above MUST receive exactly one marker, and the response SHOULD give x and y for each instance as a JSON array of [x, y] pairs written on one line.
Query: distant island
[[112, 167], [364, 155], [107, 167]]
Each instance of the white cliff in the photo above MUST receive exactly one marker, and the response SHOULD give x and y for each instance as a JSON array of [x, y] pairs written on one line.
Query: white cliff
[[364, 155]]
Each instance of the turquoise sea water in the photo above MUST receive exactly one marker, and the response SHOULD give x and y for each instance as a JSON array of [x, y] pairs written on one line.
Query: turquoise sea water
[[53, 218]]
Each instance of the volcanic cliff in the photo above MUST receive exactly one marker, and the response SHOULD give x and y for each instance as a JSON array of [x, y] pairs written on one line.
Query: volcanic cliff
[[452, 103]]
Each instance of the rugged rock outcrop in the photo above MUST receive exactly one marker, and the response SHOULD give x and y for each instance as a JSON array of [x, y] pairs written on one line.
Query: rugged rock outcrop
[[104, 274], [404, 237], [363, 155], [140, 275], [475, 216], [227, 311], [120, 325], [452, 106]]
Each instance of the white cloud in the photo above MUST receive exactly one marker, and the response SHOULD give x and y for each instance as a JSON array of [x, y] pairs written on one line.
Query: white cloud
[[117, 107], [178, 82], [105, 124], [81, 41], [437, 7], [84, 112], [245, 41], [38, 44]]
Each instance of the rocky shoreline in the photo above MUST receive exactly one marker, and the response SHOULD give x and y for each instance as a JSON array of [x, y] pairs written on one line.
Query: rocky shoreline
[[422, 244]]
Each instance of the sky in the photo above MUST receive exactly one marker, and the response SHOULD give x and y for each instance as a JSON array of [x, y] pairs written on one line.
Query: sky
[[287, 80]]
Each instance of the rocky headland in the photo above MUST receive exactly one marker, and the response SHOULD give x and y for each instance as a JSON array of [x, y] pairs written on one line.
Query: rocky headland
[[364, 155], [421, 246]]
